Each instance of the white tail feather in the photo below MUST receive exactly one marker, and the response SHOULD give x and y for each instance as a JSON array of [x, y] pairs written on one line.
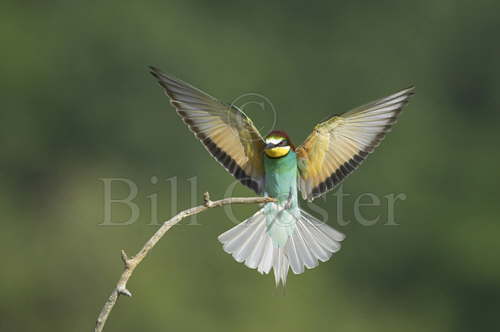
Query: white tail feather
[[311, 241]]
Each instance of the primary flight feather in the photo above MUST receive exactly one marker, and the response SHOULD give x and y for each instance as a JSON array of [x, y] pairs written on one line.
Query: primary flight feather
[[281, 236]]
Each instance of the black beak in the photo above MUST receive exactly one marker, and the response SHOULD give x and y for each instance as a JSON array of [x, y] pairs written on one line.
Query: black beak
[[269, 146]]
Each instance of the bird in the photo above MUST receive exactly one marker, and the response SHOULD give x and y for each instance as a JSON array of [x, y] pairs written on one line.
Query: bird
[[280, 235]]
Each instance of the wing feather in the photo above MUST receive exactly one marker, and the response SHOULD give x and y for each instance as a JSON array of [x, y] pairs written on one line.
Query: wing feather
[[337, 146], [225, 131]]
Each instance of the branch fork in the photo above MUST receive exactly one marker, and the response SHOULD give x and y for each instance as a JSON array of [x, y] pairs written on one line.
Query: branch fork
[[131, 263]]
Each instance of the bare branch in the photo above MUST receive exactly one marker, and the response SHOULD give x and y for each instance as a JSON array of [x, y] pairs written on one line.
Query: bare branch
[[131, 263]]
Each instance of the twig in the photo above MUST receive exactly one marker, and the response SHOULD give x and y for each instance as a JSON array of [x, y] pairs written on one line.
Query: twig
[[132, 262]]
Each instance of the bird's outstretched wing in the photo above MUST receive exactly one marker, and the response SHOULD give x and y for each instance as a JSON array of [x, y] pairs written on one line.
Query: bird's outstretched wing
[[225, 131], [337, 146]]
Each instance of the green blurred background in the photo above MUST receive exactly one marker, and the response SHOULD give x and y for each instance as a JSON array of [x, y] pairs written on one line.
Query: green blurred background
[[78, 105]]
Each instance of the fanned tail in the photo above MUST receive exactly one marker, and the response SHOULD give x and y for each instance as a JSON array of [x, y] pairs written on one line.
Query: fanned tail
[[311, 241]]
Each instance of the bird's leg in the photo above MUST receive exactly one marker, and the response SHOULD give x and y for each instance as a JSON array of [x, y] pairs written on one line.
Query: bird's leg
[[289, 200]]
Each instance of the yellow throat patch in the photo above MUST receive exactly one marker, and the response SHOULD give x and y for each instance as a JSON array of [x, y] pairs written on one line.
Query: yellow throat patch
[[278, 151]]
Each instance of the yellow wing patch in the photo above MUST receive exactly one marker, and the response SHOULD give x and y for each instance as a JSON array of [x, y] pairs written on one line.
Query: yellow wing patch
[[339, 145], [225, 131]]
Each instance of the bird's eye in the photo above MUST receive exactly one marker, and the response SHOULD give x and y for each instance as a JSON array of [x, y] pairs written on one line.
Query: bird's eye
[[283, 143]]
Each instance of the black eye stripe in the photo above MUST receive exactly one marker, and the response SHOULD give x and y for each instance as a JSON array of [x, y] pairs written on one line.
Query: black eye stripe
[[284, 142]]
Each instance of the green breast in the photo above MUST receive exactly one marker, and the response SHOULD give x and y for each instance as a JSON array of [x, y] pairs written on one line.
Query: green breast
[[281, 183], [281, 176]]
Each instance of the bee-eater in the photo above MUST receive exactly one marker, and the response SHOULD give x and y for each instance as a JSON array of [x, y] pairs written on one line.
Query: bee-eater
[[281, 235]]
